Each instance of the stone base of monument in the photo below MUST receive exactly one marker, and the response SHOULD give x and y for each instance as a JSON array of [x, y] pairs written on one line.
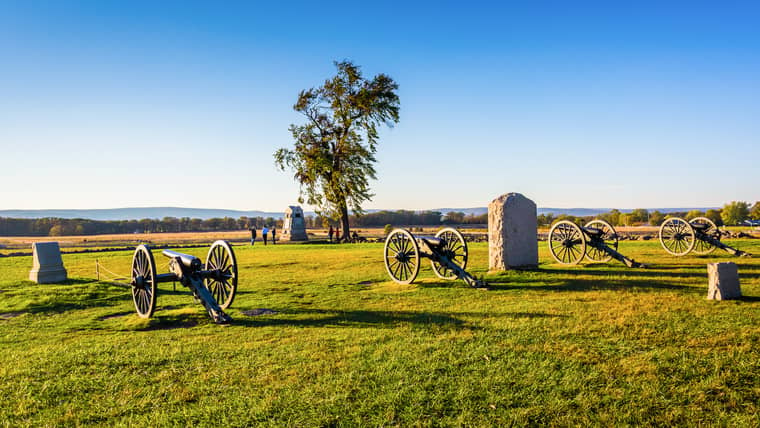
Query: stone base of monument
[[295, 237], [47, 264], [723, 281]]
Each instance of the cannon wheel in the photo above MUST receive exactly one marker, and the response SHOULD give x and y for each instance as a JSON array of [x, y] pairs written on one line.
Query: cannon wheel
[[402, 256], [455, 249], [701, 247], [144, 281], [610, 238], [677, 236], [223, 287], [567, 243]]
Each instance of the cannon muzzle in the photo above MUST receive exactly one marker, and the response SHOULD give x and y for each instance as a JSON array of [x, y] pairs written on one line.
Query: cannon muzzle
[[191, 262]]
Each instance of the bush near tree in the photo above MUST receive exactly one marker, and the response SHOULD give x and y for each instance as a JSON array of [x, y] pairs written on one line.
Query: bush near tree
[[694, 214], [754, 212], [656, 218], [612, 217], [735, 212], [714, 215], [387, 229]]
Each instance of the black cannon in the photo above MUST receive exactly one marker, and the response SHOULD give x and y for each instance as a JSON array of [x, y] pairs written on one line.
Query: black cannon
[[700, 235], [597, 241], [447, 251], [213, 284]]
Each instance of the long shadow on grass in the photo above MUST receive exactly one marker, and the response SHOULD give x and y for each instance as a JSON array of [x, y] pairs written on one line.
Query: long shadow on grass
[[580, 284], [375, 319], [353, 319], [74, 299], [634, 273], [694, 271]]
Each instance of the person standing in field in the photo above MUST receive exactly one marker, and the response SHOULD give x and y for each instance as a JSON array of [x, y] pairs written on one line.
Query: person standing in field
[[330, 232], [253, 234], [264, 232], [274, 235]]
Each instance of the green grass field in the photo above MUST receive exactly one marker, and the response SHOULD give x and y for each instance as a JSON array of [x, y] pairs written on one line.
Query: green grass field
[[588, 345]]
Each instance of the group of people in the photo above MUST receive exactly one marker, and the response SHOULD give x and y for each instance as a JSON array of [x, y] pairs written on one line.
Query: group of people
[[332, 231], [265, 231], [354, 236]]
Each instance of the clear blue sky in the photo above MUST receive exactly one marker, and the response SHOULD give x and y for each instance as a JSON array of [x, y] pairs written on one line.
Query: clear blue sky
[[575, 104]]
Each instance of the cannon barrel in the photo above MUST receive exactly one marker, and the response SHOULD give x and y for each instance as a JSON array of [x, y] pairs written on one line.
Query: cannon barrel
[[187, 260], [430, 240]]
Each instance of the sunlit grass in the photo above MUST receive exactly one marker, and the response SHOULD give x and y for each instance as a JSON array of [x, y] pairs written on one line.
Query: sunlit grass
[[592, 344]]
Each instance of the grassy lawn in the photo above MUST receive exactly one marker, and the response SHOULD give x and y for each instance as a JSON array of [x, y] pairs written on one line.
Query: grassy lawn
[[593, 344]]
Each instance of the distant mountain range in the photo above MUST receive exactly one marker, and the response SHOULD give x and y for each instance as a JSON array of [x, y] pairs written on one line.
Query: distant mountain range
[[205, 213]]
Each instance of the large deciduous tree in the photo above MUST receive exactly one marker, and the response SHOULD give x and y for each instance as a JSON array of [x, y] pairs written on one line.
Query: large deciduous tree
[[334, 153]]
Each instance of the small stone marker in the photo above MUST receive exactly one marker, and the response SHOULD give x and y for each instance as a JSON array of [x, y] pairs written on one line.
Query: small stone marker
[[723, 281], [294, 227], [47, 265], [512, 233]]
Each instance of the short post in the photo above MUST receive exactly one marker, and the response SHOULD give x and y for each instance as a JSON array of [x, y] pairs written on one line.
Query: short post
[[97, 270], [723, 279]]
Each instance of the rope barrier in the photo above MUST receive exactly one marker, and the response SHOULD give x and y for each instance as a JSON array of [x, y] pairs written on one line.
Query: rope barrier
[[114, 277]]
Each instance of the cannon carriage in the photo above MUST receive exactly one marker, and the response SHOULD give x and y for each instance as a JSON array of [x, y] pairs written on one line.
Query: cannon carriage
[[597, 241], [700, 235], [447, 252], [213, 284]]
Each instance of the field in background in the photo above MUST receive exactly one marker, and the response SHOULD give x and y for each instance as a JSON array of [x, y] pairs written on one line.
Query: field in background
[[24, 242], [595, 344], [12, 244]]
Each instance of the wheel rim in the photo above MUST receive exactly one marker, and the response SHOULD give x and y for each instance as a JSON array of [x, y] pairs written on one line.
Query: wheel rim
[[567, 243], [609, 238], [702, 247], [223, 286], [402, 256], [677, 236], [455, 248], [143, 281]]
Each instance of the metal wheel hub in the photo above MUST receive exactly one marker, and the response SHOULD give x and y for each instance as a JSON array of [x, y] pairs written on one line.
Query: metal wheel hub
[[218, 275], [402, 257], [139, 282]]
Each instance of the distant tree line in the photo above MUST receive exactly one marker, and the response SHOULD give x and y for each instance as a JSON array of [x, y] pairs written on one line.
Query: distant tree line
[[401, 218], [64, 227], [78, 226], [732, 213]]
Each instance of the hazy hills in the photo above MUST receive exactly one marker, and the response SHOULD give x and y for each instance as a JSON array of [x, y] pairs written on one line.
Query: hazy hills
[[205, 213]]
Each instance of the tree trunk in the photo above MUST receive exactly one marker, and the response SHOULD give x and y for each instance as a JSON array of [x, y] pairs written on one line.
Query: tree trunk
[[345, 233]]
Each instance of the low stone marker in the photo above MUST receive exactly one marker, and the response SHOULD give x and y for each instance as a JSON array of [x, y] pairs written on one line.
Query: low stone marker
[[47, 265], [512, 233], [723, 281]]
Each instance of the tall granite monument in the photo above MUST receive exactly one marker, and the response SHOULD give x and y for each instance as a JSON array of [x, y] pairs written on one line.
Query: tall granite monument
[[47, 265], [294, 227], [512, 233]]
